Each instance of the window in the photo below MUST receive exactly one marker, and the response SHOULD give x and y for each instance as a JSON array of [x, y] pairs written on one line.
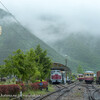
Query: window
[[58, 71], [91, 74], [52, 72]]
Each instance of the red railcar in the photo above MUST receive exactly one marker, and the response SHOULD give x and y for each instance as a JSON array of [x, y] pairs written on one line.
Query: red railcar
[[98, 77], [56, 76], [80, 77], [59, 73], [89, 76]]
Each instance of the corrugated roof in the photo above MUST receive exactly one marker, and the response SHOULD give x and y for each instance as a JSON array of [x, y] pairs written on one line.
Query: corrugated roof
[[60, 66]]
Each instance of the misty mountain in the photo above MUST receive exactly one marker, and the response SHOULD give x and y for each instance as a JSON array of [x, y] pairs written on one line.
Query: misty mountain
[[81, 47], [14, 36]]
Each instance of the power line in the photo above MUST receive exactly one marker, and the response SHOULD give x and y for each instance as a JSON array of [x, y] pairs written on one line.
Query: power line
[[12, 16], [23, 28], [14, 19], [10, 13]]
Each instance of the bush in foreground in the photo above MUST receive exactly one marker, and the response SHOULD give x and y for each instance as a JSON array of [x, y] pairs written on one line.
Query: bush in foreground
[[9, 89], [35, 86], [15, 89]]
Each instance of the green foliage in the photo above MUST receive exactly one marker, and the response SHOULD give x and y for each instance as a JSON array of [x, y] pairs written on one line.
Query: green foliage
[[15, 65], [43, 61], [80, 69], [28, 66], [73, 76], [31, 65], [2, 71]]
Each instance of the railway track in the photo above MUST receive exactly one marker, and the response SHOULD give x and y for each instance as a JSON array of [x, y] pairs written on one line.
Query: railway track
[[75, 91], [93, 92], [60, 86], [56, 95], [65, 91], [96, 94]]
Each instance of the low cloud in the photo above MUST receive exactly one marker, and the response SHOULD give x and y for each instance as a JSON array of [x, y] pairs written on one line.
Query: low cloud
[[52, 20]]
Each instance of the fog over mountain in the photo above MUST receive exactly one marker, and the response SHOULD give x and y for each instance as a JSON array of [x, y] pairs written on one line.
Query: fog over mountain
[[65, 16]]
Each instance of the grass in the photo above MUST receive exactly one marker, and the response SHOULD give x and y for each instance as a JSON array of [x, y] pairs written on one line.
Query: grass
[[78, 94], [39, 92], [4, 98]]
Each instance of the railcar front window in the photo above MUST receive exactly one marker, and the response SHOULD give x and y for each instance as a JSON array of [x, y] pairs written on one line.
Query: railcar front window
[[91, 74], [58, 71], [52, 72]]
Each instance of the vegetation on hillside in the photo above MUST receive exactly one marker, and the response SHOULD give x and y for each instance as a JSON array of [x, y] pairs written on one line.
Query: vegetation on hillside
[[82, 49], [80, 70]]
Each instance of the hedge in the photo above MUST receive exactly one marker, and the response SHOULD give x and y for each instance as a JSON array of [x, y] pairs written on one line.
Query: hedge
[[9, 89], [15, 88], [23, 87], [35, 86]]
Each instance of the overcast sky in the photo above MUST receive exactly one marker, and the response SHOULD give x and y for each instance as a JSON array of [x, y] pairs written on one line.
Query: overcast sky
[[69, 15]]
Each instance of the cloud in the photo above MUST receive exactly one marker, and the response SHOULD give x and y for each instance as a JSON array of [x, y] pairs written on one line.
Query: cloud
[[45, 17]]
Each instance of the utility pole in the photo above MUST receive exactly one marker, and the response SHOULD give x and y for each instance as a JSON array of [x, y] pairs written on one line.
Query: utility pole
[[69, 73], [66, 60], [0, 30]]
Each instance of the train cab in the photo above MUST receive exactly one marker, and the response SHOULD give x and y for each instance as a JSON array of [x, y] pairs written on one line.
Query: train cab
[[89, 76], [56, 76], [80, 77]]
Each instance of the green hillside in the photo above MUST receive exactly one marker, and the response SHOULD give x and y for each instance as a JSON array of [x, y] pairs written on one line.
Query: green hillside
[[15, 36], [82, 49]]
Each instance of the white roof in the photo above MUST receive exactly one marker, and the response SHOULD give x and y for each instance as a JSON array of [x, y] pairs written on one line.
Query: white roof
[[89, 72], [80, 74]]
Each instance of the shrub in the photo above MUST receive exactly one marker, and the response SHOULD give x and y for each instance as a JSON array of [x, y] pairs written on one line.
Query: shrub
[[3, 89], [23, 87], [13, 89], [45, 84], [35, 86], [9, 89]]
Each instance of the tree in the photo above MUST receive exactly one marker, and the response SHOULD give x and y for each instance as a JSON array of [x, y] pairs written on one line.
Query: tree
[[28, 66], [22, 65], [15, 65], [32, 65], [44, 62], [2, 71], [80, 69]]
